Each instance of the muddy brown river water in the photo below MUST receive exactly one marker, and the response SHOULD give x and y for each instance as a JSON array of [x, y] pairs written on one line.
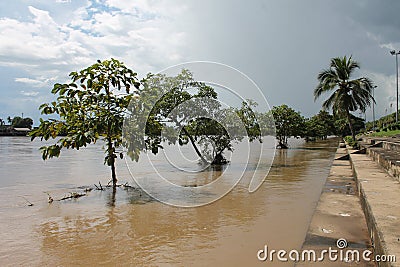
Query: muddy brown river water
[[126, 229]]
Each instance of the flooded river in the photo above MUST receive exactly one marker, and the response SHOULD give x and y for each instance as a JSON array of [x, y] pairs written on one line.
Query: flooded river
[[124, 228]]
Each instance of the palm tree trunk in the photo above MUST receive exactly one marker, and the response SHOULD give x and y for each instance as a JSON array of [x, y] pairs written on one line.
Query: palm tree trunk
[[350, 125]]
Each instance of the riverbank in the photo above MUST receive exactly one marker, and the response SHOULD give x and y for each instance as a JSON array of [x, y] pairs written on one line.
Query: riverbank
[[379, 189], [360, 204], [8, 130], [338, 216]]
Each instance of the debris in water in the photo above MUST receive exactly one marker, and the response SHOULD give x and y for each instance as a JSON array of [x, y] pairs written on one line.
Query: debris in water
[[50, 199], [27, 201], [326, 231]]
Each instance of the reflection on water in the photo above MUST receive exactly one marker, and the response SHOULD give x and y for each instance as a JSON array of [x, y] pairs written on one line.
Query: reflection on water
[[127, 228]]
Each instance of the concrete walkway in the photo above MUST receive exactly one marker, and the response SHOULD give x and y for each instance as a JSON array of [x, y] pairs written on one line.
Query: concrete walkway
[[338, 216], [380, 198]]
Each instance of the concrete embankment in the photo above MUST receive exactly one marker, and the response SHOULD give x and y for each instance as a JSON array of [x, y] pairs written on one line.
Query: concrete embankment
[[338, 215], [361, 204], [380, 197]]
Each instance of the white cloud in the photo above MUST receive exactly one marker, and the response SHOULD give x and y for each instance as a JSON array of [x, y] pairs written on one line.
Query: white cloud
[[30, 93], [40, 82], [390, 46], [32, 82], [42, 46], [149, 8], [46, 41]]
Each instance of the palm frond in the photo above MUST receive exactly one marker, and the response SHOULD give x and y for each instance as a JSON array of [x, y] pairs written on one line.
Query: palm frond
[[329, 103], [352, 65], [327, 82]]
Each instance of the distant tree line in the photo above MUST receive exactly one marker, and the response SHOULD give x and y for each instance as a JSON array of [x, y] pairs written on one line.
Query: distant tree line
[[290, 123], [17, 122], [384, 123]]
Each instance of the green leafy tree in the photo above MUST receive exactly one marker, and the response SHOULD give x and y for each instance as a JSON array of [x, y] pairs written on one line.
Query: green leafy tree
[[252, 120], [27, 123], [185, 111], [19, 122], [16, 121], [236, 124], [288, 123], [342, 126], [165, 97], [385, 121], [91, 107], [348, 94], [267, 123], [320, 126]]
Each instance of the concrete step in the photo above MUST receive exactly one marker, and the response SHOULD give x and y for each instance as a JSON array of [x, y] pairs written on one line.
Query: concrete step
[[373, 140], [391, 146], [387, 159], [385, 151], [380, 200]]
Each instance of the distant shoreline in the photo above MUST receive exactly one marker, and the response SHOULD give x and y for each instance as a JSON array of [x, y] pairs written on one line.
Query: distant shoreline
[[9, 130], [14, 134]]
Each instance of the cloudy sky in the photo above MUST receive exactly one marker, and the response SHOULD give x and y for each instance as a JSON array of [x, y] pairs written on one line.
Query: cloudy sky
[[280, 44]]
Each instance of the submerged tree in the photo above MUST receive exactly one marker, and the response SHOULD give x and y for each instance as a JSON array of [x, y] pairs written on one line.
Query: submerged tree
[[180, 109], [348, 95], [91, 107], [320, 126], [288, 123]]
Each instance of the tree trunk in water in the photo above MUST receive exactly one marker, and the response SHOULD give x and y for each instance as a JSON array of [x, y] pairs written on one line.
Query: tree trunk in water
[[111, 200], [194, 145], [350, 125], [113, 172], [219, 159], [112, 162], [282, 145]]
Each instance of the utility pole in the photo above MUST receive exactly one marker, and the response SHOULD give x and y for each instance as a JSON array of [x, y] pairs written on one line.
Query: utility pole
[[394, 53], [373, 108]]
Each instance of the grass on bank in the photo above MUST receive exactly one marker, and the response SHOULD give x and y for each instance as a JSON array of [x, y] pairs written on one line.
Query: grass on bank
[[353, 143], [388, 133]]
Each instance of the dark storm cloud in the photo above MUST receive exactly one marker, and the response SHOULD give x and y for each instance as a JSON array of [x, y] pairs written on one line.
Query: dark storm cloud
[[381, 18]]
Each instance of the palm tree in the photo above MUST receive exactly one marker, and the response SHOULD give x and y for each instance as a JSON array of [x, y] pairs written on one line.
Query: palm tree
[[348, 95]]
